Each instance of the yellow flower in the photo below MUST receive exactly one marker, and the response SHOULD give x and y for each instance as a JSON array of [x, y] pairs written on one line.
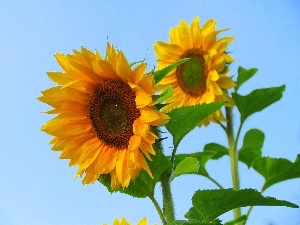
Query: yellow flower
[[204, 77], [123, 221], [105, 112]]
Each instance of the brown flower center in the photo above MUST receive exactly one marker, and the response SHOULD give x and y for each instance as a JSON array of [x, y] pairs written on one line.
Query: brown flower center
[[192, 75], [112, 111]]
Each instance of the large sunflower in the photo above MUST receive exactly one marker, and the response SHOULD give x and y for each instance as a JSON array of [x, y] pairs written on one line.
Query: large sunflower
[[105, 112], [204, 77]]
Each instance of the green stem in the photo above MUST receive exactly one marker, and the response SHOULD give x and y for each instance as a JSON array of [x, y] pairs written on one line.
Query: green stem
[[173, 158], [233, 154], [158, 209], [248, 212], [222, 126], [215, 182], [168, 214], [247, 215], [168, 204]]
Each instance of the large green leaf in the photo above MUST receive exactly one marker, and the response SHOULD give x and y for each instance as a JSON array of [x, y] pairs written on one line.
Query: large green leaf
[[184, 119], [143, 185], [252, 145], [213, 203], [276, 170], [257, 100], [160, 74], [197, 163], [219, 149], [243, 76]]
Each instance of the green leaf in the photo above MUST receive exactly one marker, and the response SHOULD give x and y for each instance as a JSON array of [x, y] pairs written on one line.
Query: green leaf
[[184, 119], [196, 222], [257, 100], [185, 222], [195, 217], [167, 93], [213, 203], [143, 185], [244, 75], [187, 166], [252, 145], [276, 170], [191, 222], [201, 157], [160, 74], [193, 214], [219, 149]]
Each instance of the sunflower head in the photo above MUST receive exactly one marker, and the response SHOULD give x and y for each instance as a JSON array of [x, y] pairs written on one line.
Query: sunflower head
[[204, 77], [105, 112]]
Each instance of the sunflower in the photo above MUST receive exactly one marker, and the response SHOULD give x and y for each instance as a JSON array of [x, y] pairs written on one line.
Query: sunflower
[[123, 221], [204, 77], [105, 113]]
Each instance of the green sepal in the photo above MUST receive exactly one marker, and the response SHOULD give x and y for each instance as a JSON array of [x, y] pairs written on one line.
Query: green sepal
[[257, 100], [276, 170], [243, 76], [213, 203], [186, 118], [252, 146], [160, 74]]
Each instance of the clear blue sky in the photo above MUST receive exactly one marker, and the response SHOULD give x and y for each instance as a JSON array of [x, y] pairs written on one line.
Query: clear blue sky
[[38, 189]]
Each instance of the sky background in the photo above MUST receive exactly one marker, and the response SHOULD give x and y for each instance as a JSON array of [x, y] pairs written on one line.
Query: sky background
[[38, 189]]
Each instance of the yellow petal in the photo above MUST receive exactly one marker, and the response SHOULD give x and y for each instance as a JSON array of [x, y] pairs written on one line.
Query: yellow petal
[[123, 69], [139, 72], [213, 75], [104, 69], [166, 50], [143, 221], [226, 82], [122, 170], [153, 117], [222, 43], [59, 77], [147, 148], [142, 99], [107, 161], [140, 128], [147, 84], [196, 32]]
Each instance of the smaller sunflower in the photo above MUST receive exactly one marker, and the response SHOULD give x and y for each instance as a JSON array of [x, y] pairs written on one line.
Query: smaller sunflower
[[105, 113], [204, 77], [123, 221]]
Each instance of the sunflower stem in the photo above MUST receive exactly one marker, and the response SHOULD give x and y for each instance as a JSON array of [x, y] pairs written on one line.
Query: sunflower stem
[[159, 211], [233, 154], [168, 204], [215, 182]]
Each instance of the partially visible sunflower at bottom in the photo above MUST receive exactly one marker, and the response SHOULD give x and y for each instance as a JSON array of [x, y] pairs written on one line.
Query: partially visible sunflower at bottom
[[204, 77], [123, 221], [105, 112]]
